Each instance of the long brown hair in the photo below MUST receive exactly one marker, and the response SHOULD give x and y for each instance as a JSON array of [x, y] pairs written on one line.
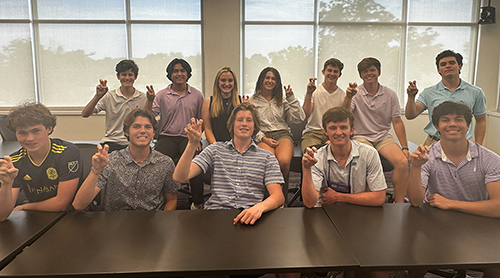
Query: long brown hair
[[277, 93], [217, 94]]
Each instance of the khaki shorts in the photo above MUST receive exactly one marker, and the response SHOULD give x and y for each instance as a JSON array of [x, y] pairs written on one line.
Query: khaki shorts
[[377, 145], [279, 134], [313, 138]]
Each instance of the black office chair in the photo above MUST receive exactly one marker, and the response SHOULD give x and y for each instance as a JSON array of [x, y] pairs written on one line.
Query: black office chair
[[87, 150], [295, 163], [7, 134]]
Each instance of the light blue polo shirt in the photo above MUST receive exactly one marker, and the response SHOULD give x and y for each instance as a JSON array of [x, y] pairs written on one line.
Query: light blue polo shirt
[[467, 94]]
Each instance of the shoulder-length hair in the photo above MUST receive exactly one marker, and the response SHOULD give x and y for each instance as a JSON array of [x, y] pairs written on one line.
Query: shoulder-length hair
[[217, 94], [277, 93]]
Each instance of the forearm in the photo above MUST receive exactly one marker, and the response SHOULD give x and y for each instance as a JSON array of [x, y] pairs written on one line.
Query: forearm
[[411, 108], [310, 195], [308, 106], [480, 130], [272, 202], [210, 135], [399, 129], [171, 204], [7, 201], [53, 204], [87, 192], [89, 108], [375, 198], [347, 103], [148, 105], [415, 190], [182, 170], [489, 208]]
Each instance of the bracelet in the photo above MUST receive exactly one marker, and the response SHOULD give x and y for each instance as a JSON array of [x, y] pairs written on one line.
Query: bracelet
[[94, 171], [405, 148]]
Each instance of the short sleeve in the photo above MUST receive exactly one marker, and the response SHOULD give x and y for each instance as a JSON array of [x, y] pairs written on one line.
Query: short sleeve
[[101, 104], [374, 174], [272, 171], [205, 158], [70, 164], [479, 104]]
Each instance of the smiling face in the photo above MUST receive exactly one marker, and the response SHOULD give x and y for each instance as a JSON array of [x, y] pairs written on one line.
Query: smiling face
[[339, 133], [243, 125], [141, 132], [127, 78], [331, 74], [35, 138], [269, 81], [226, 83], [452, 127], [179, 75], [448, 67], [370, 75]]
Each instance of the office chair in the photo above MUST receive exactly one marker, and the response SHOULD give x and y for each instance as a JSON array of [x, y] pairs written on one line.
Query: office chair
[[295, 163], [87, 150], [7, 134]]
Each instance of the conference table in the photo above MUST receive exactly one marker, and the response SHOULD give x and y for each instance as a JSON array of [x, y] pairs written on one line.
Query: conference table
[[399, 236], [22, 228], [180, 243]]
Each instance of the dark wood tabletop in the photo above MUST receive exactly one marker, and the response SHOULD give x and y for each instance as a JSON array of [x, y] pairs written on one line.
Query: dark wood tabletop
[[8, 147], [177, 243], [20, 229], [399, 236]]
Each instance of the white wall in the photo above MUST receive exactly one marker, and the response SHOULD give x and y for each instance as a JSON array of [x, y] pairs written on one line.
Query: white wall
[[222, 37]]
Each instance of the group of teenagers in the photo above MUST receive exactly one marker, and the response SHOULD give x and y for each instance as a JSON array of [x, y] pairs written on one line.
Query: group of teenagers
[[250, 146]]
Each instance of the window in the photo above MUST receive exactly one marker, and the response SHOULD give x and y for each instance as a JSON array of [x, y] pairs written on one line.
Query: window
[[55, 51], [298, 37]]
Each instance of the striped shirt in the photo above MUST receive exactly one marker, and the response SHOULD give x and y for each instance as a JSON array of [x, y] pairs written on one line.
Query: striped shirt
[[239, 180], [465, 182]]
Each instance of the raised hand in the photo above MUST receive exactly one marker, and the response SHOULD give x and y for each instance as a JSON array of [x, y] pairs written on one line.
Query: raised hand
[[308, 159], [245, 99], [193, 131], [419, 156], [412, 89], [288, 91], [102, 88], [311, 86], [352, 90], [150, 92], [7, 171], [100, 159]]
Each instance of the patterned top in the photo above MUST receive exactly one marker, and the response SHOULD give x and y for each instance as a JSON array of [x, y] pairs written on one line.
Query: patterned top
[[465, 182], [239, 180], [40, 182], [128, 186]]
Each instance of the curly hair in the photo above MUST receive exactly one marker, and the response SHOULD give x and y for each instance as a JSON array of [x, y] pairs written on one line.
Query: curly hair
[[277, 93], [30, 114]]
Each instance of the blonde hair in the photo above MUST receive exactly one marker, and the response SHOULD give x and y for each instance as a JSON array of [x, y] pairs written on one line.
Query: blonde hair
[[217, 94]]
